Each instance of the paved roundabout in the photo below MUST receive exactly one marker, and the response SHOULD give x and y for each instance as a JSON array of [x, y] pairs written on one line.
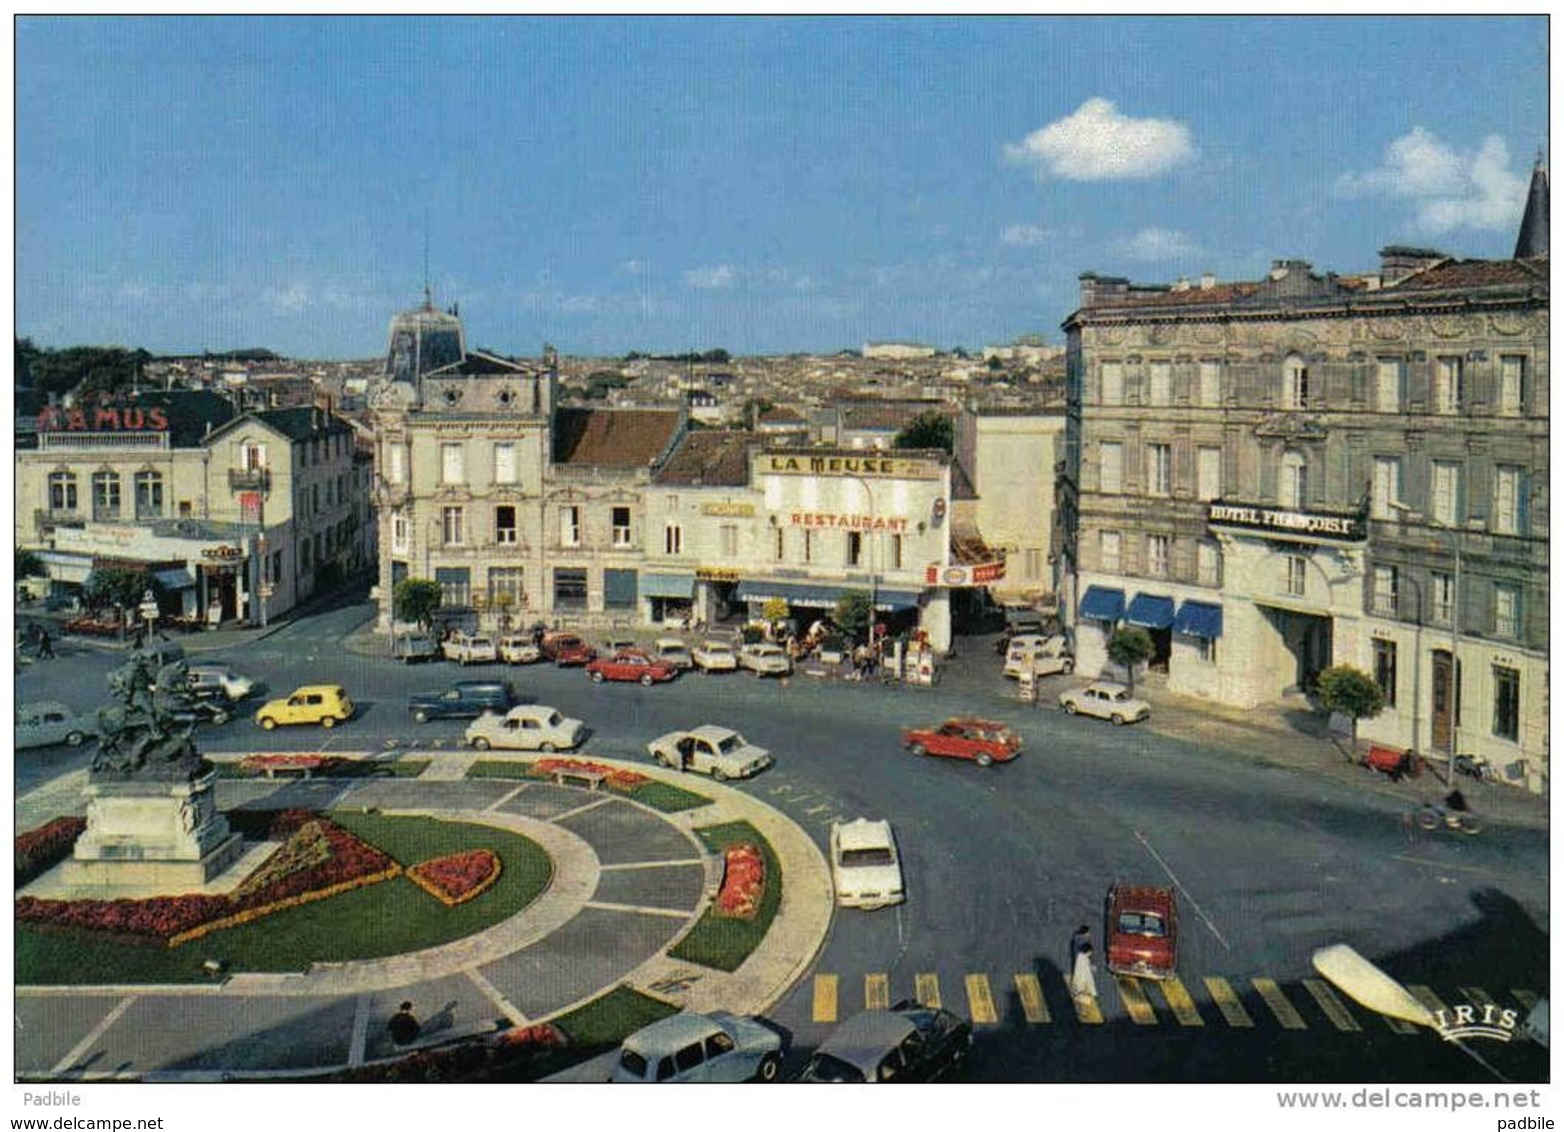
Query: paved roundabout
[[629, 883]]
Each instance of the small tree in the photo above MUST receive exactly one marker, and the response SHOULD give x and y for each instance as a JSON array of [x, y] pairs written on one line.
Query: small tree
[[775, 609], [416, 599], [117, 588], [1129, 647], [1352, 692], [28, 564], [853, 612], [931, 429]]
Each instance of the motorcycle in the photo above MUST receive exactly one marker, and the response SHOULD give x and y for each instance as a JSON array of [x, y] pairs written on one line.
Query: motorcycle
[[1433, 815], [1475, 766]]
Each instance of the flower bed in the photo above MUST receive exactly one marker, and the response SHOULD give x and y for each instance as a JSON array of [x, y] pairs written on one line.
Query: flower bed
[[38, 850], [319, 859], [616, 778], [271, 764], [457, 878], [743, 881], [511, 1055]]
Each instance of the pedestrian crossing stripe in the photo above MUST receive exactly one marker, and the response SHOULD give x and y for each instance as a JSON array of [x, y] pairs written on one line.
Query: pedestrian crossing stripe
[[1030, 992], [980, 1001], [1135, 1001], [1289, 1018], [1427, 997], [1087, 1009], [1331, 1005], [1221, 992], [1180, 1003], [825, 998], [928, 990], [876, 992]]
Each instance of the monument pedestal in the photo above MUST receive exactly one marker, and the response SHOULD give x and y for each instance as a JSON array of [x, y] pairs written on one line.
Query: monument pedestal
[[165, 834]]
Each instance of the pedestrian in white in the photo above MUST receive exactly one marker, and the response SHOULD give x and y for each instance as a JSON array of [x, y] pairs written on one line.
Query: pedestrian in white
[[1083, 979]]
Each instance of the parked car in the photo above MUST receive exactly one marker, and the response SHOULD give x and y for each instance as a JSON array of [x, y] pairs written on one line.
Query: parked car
[[325, 704], [833, 650], [1105, 701], [1042, 656], [714, 656], [984, 741], [47, 722], [865, 866], [465, 699], [1022, 619], [469, 648], [518, 650], [1142, 930], [633, 667], [529, 727], [410, 647], [671, 650], [615, 645], [566, 649], [718, 1047], [712, 750], [219, 678], [765, 660], [908, 1042]]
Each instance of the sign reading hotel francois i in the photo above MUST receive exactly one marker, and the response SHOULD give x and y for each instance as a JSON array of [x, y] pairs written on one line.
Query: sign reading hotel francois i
[[1267, 520], [868, 466]]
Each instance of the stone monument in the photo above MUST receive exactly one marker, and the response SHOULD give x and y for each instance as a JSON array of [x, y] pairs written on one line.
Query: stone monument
[[152, 819]]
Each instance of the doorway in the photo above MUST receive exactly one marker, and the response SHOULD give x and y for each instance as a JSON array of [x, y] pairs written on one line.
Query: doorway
[[1308, 638], [1447, 700]]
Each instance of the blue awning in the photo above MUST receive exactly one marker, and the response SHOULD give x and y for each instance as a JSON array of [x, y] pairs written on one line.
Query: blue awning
[[174, 578], [680, 586], [1199, 619], [1102, 604], [1150, 612], [822, 596]]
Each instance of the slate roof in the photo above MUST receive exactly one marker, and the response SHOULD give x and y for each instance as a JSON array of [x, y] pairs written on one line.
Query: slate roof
[[709, 458], [1470, 274], [614, 438], [190, 412], [476, 364]]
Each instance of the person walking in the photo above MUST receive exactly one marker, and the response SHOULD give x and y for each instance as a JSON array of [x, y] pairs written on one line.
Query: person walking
[[45, 645], [403, 1027], [1083, 978]]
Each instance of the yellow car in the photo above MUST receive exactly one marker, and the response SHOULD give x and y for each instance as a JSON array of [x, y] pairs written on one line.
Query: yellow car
[[325, 704]]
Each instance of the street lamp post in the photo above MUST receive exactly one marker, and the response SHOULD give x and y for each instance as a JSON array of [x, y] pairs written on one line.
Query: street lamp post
[[873, 577], [1455, 632]]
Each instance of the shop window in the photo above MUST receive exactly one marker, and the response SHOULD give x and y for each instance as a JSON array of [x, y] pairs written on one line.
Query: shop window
[[505, 587], [570, 588], [1506, 703]]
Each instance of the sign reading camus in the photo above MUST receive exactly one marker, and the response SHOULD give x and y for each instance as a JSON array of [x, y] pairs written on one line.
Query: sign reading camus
[[1486, 1021]]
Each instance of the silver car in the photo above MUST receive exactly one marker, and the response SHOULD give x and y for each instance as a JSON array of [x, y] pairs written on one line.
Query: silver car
[[717, 1047], [716, 751], [47, 722], [765, 660]]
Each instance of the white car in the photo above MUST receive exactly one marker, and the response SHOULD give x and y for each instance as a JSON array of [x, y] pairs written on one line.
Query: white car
[[1105, 701], [671, 650], [1042, 656], [518, 650], [213, 678], [765, 660], [47, 722], [865, 866], [530, 727], [716, 751], [714, 656], [466, 648]]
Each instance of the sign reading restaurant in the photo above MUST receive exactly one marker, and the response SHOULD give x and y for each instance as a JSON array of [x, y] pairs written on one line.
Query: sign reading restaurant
[[877, 467], [1348, 528], [894, 523]]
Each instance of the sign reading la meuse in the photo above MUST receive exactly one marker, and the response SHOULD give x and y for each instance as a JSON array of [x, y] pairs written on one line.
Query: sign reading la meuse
[[877, 467], [103, 418], [1348, 528]]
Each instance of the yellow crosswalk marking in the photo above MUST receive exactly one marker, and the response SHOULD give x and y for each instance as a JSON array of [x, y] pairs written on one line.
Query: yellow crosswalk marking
[[1180, 1003], [1087, 1010], [876, 992], [1525, 997], [1030, 991], [1331, 1005], [825, 998], [928, 990], [1135, 1001], [1221, 992], [980, 1001], [1428, 998], [1277, 1001]]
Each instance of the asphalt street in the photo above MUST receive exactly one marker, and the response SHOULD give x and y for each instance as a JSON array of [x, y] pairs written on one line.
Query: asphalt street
[[1002, 863]]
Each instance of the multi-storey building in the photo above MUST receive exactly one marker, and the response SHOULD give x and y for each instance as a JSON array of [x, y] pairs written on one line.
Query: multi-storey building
[[1305, 470], [1012, 456]]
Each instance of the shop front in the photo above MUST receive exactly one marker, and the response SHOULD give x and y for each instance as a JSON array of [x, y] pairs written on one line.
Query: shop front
[[668, 599]]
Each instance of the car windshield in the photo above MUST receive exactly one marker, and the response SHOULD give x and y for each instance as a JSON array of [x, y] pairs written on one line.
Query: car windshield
[[1141, 923], [554, 719], [730, 744], [824, 1067], [867, 858], [712, 646]]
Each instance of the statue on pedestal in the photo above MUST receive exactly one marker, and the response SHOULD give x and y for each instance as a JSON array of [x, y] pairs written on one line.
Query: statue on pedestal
[[146, 734]]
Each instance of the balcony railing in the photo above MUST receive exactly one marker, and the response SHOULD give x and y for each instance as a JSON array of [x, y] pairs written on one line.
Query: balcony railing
[[59, 441], [249, 479]]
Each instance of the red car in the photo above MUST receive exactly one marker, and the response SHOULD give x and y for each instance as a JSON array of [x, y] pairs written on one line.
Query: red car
[[636, 666], [981, 740], [566, 649], [1142, 931]]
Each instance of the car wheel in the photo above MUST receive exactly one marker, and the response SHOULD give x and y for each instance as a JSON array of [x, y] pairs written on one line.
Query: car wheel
[[1070, 708], [479, 743], [646, 681], [329, 722], [219, 716], [267, 723], [985, 760], [597, 677], [1117, 718], [546, 748], [420, 717], [719, 774], [918, 750], [770, 1069], [75, 739]]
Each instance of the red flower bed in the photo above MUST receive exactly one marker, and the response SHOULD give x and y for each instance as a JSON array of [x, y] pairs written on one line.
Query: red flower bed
[[616, 777], [459, 877], [260, 764], [39, 849], [743, 881], [320, 859]]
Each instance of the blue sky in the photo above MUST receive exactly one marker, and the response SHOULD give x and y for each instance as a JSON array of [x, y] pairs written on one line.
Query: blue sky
[[763, 185]]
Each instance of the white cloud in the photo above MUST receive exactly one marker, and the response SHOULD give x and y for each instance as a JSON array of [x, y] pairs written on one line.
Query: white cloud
[[1097, 143], [1156, 244], [287, 301], [1024, 236], [1450, 189], [713, 278]]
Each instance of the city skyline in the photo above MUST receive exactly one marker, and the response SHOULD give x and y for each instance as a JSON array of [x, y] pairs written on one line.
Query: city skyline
[[763, 185]]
